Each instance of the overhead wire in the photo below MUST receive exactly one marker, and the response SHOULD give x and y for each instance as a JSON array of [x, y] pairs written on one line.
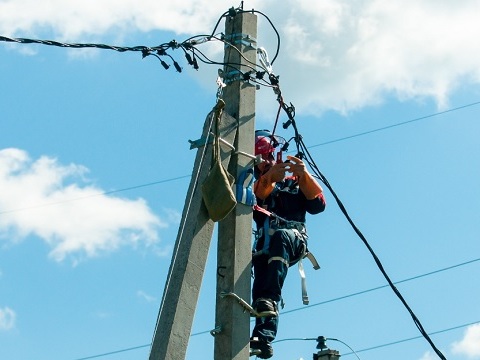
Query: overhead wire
[[381, 286], [317, 339], [147, 51], [189, 46], [281, 340], [304, 154], [414, 338], [187, 176], [396, 125]]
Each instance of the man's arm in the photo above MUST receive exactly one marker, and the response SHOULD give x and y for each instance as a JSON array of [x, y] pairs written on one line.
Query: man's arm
[[309, 186]]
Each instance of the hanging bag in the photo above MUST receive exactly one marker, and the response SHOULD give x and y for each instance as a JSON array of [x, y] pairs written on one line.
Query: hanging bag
[[217, 188]]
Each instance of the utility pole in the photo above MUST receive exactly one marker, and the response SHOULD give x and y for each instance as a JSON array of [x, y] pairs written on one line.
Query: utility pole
[[182, 287], [235, 231], [177, 309]]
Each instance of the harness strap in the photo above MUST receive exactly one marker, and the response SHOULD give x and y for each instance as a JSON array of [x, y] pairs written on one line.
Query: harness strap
[[303, 281], [278, 258], [305, 252], [312, 259], [266, 234]]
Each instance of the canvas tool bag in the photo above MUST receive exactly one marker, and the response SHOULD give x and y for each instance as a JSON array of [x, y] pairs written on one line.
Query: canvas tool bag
[[217, 188]]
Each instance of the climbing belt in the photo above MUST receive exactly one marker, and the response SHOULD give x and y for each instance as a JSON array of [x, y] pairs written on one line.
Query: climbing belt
[[300, 232]]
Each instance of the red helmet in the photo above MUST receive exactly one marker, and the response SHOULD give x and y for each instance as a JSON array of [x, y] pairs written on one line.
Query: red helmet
[[265, 143]]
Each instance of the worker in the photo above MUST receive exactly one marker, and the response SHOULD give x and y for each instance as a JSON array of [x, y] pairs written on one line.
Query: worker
[[281, 239]]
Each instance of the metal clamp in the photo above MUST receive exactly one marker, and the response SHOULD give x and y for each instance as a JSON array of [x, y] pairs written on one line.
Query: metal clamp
[[243, 39], [216, 331]]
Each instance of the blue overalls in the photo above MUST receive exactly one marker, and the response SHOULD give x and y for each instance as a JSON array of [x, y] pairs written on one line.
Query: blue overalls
[[286, 244]]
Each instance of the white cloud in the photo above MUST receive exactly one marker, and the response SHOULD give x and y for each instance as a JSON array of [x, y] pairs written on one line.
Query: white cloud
[[352, 54], [7, 318], [428, 356], [145, 296], [470, 344], [76, 18], [335, 54], [56, 203]]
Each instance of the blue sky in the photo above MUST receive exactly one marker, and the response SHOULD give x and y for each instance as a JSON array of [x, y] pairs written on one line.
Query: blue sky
[[95, 165]]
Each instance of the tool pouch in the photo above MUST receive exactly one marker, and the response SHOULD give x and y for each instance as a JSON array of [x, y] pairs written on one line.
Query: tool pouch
[[217, 188]]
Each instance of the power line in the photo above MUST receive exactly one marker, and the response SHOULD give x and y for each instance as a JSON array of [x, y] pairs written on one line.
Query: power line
[[114, 352], [304, 154], [93, 195], [281, 340], [186, 176], [395, 125], [413, 338], [382, 286]]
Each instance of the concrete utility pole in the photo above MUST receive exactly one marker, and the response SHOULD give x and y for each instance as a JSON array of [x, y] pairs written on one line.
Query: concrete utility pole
[[235, 231], [187, 267], [182, 287]]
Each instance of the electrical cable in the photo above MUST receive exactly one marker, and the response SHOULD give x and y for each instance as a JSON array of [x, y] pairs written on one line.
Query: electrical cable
[[316, 339], [93, 195], [274, 29], [78, 45], [340, 341], [374, 255], [232, 12], [346, 354], [304, 154], [114, 352], [187, 176], [381, 286], [414, 338], [395, 125], [186, 46], [147, 51]]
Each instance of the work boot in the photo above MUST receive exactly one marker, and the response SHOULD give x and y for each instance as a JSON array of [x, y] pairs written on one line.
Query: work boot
[[265, 307], [262, 349]]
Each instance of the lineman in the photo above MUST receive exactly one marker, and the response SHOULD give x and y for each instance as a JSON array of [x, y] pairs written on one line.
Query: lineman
[[281, 233]]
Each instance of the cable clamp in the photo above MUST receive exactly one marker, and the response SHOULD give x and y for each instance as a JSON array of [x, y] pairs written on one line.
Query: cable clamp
[[234, 75], [244, 39], [216, 331]]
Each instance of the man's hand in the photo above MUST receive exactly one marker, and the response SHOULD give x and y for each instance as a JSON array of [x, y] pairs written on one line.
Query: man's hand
[[277, 172], [296, 166]]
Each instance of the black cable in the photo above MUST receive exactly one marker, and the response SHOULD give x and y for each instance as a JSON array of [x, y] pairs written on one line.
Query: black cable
[[77, 45], [303, 153], [364, 240], [218, 22], [187, 45], [274, 29]]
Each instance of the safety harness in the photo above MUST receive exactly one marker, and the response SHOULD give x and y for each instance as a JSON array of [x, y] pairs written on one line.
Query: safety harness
[[271, 224]]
